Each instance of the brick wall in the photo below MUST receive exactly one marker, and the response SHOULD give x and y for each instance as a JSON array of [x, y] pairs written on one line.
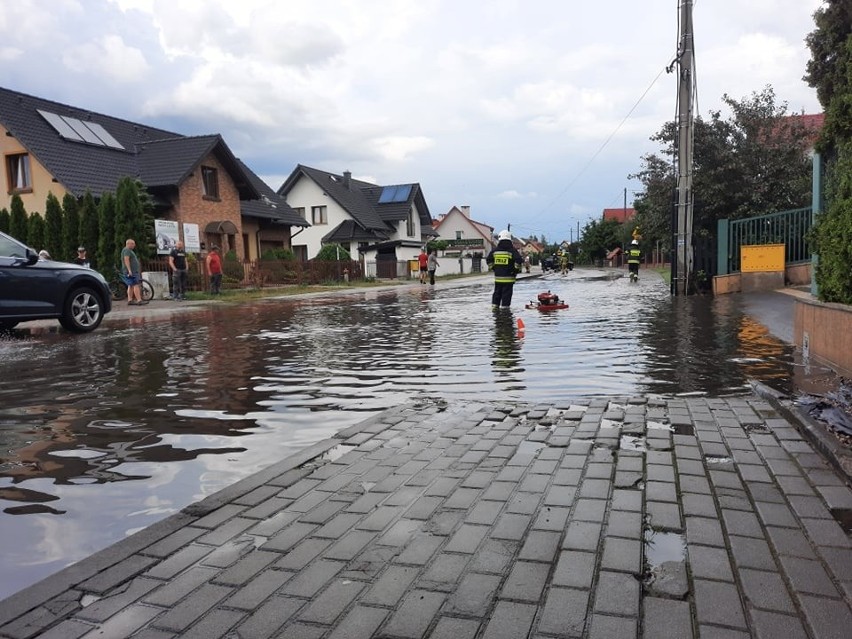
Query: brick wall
[[191, 206]]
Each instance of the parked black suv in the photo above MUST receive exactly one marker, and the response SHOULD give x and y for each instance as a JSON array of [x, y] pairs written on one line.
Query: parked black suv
[[31, 288]]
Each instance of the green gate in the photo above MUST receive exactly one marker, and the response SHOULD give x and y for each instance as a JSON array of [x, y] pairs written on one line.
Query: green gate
[[789, 228]]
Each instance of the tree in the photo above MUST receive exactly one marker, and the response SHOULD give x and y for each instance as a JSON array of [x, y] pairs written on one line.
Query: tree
[[89, 227], [830, 72], [18, 226], [130, 216], [53, 225], [333, 252], [35, 231], [70, 228], [4, 220], [108, 248], [751, 163], [599, 237]]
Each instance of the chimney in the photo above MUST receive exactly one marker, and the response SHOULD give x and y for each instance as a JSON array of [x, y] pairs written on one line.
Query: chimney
[[465, 209], [347, 176]]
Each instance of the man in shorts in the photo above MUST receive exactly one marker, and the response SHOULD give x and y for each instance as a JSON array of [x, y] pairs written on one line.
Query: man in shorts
[[131, 273]]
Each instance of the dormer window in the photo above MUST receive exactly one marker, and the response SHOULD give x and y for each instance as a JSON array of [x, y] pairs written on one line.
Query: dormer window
[[18, 172], [210, 182]]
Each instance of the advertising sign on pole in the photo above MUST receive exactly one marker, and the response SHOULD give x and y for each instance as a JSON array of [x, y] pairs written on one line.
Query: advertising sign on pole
[[191, 239], [167, 235]]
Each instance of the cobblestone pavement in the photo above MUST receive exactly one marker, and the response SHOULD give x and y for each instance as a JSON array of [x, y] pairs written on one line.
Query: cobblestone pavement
[[653, 517]]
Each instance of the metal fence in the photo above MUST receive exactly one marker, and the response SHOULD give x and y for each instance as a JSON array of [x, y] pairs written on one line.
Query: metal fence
[[789, 228]]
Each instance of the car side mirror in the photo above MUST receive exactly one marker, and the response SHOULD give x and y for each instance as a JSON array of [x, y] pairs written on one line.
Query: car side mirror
[[32, 257]]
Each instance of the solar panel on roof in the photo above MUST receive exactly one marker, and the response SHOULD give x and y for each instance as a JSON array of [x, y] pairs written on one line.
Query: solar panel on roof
[[60, 125], [79, 131], [104, 135], [83, 131], [398, 193]]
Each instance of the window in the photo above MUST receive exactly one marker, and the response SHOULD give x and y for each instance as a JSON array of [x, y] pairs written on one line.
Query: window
[[459, 235], [319, 215], [210, 182], [301, 211], [409, 223], [18, 170]]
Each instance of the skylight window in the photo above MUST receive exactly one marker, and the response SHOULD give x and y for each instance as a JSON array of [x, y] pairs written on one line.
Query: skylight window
[[79, 131], [398, 193]]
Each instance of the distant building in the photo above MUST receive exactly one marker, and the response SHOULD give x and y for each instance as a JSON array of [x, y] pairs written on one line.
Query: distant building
[[621, 215], [463, 234], [387, 224]]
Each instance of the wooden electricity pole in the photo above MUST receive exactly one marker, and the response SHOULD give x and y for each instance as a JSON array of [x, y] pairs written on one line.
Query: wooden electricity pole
[[686, 86]]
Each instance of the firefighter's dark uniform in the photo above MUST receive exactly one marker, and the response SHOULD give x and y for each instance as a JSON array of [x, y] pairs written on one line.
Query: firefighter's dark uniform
[[506, 263], [634, 254]]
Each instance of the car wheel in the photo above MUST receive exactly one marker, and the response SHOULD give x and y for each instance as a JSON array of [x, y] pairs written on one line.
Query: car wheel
[[83, 311]]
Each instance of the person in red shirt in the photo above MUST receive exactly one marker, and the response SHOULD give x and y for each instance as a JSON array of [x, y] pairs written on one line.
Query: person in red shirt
[[423, 260], [214, 270]]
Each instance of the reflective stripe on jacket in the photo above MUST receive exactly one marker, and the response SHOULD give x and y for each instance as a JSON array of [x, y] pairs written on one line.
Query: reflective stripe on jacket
[[505, 263], [633, 255]]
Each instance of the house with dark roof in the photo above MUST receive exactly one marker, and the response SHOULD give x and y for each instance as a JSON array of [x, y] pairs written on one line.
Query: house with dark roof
[[385, 224], [464, 234], [52, 147]]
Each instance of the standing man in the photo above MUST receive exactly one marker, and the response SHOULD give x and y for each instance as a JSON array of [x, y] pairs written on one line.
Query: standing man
[[214, 270], [81, 258], [634, 255], [506, 263], [432, 265], [423, 261], [131, 273], [177, 263]]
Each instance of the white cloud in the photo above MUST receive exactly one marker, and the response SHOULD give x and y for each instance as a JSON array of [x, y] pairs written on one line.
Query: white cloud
[[400, 148], [110, 56], [7, 54], [513, 194]]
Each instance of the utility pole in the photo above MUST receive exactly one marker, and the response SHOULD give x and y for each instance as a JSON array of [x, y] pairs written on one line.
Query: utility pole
[[686, 85]]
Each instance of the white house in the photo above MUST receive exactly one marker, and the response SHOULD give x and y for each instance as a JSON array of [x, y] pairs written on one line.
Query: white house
[[463, 234], [385, 224]]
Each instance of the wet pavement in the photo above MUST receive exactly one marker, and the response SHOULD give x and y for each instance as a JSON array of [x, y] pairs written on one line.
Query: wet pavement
[[276, 536]]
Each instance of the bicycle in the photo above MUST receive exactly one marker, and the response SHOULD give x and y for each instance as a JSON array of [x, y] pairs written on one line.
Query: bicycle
[[118, 288]]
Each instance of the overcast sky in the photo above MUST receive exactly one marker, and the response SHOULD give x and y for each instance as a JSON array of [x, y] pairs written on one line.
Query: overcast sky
[[505, 106]]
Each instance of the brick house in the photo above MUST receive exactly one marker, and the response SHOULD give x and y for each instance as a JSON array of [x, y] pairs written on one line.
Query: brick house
[[52, 147]]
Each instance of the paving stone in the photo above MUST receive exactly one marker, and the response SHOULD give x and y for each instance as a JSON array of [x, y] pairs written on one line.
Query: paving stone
[[808, 576], [827, 617], [474, 595], [622, 554], [627, 500], [776, 515], [564, 612], [414, 614], [551, 518], [540, 546], [699, 505], [390, 587], [766, 590], [511, 526], [666, 619], [453, 628], [296, 559], [250, 596], [574, 569], [360, 622], [443, 572], [312, 579], [660, 491], [589, 510], [624, 524], [349, 545], [664, 516], [524, 503], [709, 563], [606, 627], [123, 571], [751, 553], [809, 506], [193, 607], [289, 537], [790, 542], [380, 518], [582, 535], [718, 603], [617, 593], [560, 496], [510, 620], [741, 523], [494, 556], [117, 599], [329, 605], [772, 624], [467, 539], [423, 508], [826, 532], [690, 484]]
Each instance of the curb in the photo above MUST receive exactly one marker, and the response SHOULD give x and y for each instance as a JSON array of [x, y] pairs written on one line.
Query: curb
[[811, 429]]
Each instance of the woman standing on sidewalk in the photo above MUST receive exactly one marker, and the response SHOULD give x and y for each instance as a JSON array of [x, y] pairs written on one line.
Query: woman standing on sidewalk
[[433, 265]]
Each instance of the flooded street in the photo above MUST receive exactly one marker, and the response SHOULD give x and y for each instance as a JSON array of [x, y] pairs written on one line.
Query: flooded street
[[103, 434]]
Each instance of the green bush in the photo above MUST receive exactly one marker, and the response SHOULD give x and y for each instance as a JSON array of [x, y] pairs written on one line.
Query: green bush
[[232, 268], [278, 254], [333, 252]]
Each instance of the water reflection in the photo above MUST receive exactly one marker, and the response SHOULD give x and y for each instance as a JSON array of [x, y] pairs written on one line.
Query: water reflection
[[103, 434]]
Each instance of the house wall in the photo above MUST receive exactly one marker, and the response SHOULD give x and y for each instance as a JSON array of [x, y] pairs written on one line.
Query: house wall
[[824, 331], [454, 222], [306, 193], [191, 206], [42, 180]]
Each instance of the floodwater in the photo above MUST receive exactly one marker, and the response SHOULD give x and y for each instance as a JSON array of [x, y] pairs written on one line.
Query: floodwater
[[104, 434]]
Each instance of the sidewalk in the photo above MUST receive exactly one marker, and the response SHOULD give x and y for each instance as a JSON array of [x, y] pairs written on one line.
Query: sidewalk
[[476, 520]]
